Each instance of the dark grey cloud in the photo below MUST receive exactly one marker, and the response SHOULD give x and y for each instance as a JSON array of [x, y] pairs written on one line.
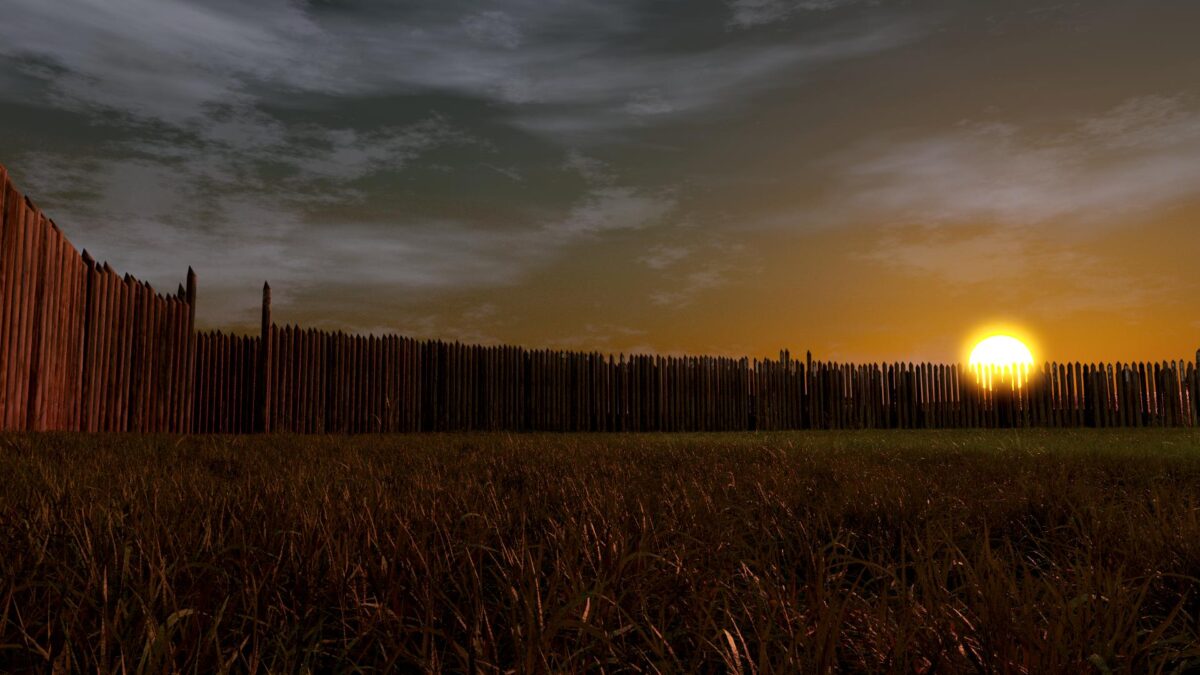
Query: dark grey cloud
[[173, 61], [210, 149]]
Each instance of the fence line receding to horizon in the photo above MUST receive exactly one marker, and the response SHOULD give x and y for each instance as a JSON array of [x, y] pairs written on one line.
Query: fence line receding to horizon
[[83, 348]]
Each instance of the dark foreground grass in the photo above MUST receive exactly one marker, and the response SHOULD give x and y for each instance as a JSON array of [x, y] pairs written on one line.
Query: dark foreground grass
[[877, 552]]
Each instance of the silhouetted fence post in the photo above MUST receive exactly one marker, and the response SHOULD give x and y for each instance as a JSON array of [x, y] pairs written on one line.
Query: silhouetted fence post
[[264, 364], [1196, 392]]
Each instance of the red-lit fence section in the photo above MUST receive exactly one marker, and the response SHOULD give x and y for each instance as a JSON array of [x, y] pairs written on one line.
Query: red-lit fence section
[[82, 348], [42, 287], [138, 355]]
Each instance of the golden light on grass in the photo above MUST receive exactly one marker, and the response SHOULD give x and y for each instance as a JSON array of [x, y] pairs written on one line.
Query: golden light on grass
[[1001, 358]]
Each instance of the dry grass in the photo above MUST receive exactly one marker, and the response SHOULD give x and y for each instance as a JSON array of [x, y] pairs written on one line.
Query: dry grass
[[883, 552]]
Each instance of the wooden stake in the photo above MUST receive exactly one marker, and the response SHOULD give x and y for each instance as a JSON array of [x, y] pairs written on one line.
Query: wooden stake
[[264, 365]]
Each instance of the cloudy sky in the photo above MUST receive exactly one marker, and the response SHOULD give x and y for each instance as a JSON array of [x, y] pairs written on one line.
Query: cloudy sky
[[866, 179]]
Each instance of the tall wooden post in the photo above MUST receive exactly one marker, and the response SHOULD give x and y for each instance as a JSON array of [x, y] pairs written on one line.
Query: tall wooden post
[[189, 400], [810, 421], [264, 364], [1196, 392]]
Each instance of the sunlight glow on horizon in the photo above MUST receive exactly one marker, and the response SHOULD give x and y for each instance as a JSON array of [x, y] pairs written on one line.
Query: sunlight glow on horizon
[[1001, 358]]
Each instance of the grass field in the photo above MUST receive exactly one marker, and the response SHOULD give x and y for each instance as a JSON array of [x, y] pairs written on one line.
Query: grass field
[[1036, 552]]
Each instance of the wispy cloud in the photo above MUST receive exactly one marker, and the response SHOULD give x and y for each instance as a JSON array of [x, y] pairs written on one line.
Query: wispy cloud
[[688, 288], [1008, 261], [1141, 155], [605, 93], [748, 13], [686, 274], [590, 169], [607, 206], [219, 159], [606, 209], [494, 28], [995, 205], [982, 255], [171, 60], [600, 336], [163, 60], [662, 256]]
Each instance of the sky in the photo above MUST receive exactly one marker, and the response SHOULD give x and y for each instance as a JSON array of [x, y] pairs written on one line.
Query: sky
[[868, 180]]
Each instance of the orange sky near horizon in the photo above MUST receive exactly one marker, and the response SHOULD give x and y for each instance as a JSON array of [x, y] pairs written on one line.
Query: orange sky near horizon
[[1122, 296]]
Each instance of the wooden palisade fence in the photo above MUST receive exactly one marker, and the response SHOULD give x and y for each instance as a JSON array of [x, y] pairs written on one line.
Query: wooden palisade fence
[[83, 348], [333, 382]]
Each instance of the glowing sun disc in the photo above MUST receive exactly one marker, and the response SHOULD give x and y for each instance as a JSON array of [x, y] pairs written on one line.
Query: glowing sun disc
[[1001, 355], [1001, 351]]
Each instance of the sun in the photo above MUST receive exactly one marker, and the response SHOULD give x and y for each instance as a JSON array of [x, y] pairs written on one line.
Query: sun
[[1001, 358]]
